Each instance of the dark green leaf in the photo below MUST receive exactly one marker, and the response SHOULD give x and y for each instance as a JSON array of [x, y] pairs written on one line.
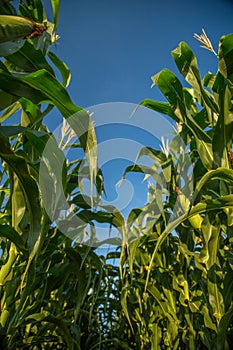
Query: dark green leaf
[[29, 60], [225, 53], [9, 233]]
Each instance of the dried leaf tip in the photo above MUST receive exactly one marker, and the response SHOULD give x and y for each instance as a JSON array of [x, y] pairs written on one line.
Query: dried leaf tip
[[206, 43]]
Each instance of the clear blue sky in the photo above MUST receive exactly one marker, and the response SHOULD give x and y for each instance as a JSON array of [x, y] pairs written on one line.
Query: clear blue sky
[[113, 47]]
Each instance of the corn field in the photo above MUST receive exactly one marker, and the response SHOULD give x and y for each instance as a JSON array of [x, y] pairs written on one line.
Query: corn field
[[173, 285]]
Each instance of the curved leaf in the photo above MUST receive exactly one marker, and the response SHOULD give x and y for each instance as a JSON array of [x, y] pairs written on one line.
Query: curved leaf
[[187, 65], [13, 236], [225, 53], [29, 60], [29, 187], [64, 70], [223, 327], [42, 86], [56, 10], [201, 207]]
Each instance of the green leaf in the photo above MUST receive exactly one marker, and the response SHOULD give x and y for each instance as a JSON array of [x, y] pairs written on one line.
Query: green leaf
[[223, 174], [172, 89], [158, 297], [40, 316], [187, 65], [38, 139], [42, 86], [64, 70], [12, 130], [28, 185], [32, 9], [18, 204], [63, 327], [6, 100], [10, 47], [18, 88], [29, 60], [203, 143], [123, 345], [56, 10], [227, 290], [201, 207], [9, 111], [31, 113], [225, 53], [156, 155], [6, 8], [211, 232], [82, 201], [124, 294], [223, 130], [161, 107], [80, 121], [8, 232], [138, 169], [133, 215], [223, 328]]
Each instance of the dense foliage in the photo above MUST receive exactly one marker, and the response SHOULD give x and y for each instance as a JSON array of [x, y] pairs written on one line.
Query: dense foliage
[[173, 286]]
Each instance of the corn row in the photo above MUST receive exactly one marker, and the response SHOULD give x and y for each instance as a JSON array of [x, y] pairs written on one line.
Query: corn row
[[15, 27]]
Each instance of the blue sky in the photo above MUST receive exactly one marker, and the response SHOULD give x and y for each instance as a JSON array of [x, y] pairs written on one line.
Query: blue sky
[[113, 47]]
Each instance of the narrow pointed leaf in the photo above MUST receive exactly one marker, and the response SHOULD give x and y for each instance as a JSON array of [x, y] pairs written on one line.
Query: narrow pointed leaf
[[29, 187], [9, 233], [64, 70], [225, 53], [56, 10]]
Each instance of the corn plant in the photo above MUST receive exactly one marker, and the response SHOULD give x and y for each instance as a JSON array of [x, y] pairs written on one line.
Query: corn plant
[[177, 291], [45, 277]]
